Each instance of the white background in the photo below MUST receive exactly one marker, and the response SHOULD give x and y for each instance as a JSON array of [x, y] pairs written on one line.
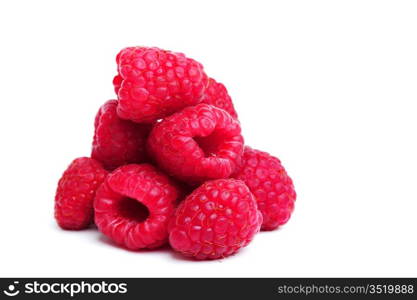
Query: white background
[[330, 87]]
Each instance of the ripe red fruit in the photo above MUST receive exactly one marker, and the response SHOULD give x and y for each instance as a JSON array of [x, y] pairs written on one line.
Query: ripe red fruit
[[117, 142], [199, 143], [117, 82], [216, 94], [75, 193], [215, 220], [133, 206], [269, 182], [154, 83]]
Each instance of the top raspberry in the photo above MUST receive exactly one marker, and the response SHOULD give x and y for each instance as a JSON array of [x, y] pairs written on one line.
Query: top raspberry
[[154, 83]]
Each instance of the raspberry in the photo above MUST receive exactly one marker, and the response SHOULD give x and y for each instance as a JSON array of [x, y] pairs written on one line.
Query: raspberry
[[272, 187], [117, 82], [117, 142], [216, 94], [215, 220], [75, 193], [155, 83], [133, 206], [199, 143]]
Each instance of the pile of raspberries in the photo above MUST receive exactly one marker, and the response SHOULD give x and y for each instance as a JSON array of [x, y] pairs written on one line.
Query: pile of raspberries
[[169, 165]]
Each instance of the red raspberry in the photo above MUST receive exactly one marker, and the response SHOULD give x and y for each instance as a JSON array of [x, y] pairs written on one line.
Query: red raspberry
[[75, 193], [117, 82], [272, 187], [156, 83], [199, 143], [215, 220], [133, 206], [117, 142], [216, 94]]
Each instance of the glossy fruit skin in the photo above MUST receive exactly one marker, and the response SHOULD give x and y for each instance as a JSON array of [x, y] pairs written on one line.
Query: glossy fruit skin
[[133, 206], [269, 182], [116, 141], [215, 220], [154, 83], [199, 143], [75, 193]]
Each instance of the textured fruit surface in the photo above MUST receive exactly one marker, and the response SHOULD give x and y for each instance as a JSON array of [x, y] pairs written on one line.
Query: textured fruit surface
[[215, 220], [216, 94], [199, 143], [116, 141], [133, 206], [271, 185], [154, 83], [75, 193]]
